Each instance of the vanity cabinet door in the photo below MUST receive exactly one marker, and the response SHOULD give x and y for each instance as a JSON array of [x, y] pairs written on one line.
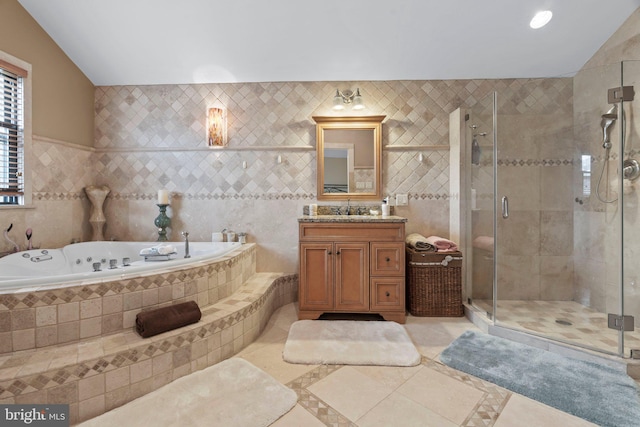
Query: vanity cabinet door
[[352, 276], [316, 276]]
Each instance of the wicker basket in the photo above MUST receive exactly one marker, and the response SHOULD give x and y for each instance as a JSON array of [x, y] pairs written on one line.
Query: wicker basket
[[434, 283]]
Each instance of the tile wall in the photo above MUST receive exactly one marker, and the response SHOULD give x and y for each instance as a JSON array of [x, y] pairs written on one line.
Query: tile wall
[[597, 232], [150, 137], [535, 154]]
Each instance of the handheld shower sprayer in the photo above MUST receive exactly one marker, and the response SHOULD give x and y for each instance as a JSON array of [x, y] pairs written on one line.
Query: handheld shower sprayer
[[608, 119], [630, 167]]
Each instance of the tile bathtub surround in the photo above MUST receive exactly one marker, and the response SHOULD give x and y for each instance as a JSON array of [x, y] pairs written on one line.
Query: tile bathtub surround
[[66, 315], [101, 374]]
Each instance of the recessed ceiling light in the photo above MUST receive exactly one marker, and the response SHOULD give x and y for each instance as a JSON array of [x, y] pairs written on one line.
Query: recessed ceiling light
[[541, 19]]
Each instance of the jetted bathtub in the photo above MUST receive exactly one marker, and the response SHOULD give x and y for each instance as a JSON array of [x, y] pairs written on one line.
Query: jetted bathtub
[[73, 264]]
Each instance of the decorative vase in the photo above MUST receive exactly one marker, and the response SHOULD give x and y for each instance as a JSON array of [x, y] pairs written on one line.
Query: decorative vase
[[97, 195]]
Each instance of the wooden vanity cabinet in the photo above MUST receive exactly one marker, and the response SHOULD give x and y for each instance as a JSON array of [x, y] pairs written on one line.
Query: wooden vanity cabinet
[[352, 267]]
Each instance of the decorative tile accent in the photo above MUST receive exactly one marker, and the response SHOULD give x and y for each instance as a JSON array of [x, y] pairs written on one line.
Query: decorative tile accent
[[262, 294], [535, 162], [490, 405], [313, 403], [236, 267], [484, 414]]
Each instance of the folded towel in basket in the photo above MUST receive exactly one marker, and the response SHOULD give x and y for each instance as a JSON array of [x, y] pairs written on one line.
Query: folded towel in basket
[[419, 243], [441, 244], [154, 322], [158, 250]]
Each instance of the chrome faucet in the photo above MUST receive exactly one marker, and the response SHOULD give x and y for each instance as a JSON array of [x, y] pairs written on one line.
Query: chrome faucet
[[186, 244], [348, 206]]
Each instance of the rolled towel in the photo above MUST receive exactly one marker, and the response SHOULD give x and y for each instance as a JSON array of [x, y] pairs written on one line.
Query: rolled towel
[[158, 250], [154, 322], [419, 243], [483, 242], [441, 244]]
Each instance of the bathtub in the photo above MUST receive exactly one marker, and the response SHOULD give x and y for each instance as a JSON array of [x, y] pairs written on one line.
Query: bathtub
[[72, 265]]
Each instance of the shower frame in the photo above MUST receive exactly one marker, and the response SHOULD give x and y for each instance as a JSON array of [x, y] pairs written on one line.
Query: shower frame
[[614, 218]]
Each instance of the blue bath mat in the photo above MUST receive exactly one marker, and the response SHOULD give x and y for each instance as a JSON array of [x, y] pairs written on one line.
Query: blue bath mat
[[594, 392]]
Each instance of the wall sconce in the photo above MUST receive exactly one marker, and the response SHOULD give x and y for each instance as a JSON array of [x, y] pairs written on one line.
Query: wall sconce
[[420, 157], [348, 97], [217, 127]]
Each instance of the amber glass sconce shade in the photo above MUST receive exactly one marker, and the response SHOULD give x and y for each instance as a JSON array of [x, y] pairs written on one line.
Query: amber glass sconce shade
[[217, 127]]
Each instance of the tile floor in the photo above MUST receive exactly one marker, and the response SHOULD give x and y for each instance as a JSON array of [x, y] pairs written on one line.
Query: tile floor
[[429, 394], [588, 328]]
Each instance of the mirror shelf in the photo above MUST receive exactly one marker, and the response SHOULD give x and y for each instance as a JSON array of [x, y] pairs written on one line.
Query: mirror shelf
[[349, 157]]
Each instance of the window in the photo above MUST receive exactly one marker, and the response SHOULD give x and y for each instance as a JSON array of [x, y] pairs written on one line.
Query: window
[[12, 144]]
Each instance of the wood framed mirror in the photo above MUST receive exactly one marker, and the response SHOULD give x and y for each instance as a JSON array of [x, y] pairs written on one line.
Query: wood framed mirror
[[349, 153]]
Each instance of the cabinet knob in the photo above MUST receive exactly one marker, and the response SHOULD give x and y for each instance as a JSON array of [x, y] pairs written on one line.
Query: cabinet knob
[[338, 253], [388, 259], [387, 294], [329, 252]]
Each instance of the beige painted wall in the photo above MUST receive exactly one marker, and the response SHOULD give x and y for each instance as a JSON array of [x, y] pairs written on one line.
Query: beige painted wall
[[63, 96]]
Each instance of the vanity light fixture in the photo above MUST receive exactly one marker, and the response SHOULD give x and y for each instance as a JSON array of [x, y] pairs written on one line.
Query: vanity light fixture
[[347, 97], [541, 19], [217, 127]]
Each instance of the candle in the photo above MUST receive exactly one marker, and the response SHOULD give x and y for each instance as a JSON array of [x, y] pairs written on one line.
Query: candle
[[163, 197]]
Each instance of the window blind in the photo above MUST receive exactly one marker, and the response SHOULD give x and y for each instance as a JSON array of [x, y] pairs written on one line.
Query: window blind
[[11, 134]]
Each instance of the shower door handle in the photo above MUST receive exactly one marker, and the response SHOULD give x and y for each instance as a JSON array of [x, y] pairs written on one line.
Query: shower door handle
[[505, 207]]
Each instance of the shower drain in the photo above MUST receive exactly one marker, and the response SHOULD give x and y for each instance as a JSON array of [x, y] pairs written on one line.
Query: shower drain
[[563, 322]]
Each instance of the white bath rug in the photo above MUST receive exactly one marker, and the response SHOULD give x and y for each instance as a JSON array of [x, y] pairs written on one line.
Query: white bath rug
[[231, 393], [349, 342]]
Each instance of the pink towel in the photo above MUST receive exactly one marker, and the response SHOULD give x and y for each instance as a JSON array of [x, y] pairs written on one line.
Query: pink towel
[[441, 244], [483, 242]]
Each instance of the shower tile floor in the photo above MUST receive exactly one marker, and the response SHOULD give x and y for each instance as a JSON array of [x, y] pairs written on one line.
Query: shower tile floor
[[586, 328]]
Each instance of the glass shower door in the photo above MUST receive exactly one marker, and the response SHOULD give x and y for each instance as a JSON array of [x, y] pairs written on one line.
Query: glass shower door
[[558, 243], [629, 189], [480, 131]]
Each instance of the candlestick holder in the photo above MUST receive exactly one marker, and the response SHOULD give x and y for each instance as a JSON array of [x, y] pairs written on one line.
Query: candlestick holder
[[162, 221]]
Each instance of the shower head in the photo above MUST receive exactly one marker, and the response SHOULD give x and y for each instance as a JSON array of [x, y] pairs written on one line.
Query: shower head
[[608, 119]]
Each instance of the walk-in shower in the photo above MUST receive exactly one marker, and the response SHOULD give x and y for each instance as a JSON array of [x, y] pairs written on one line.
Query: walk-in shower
[[559, 156]]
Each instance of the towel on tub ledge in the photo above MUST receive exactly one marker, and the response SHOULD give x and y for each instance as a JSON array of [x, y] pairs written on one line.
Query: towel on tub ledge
[[419, 243], [154, 322], [158, 250], [441, 244]]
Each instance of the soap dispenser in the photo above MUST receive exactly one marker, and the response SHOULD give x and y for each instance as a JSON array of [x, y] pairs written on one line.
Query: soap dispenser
[[385, 206]]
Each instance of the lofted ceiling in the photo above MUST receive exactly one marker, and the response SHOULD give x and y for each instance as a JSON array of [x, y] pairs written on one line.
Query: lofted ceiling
[[139, 42]]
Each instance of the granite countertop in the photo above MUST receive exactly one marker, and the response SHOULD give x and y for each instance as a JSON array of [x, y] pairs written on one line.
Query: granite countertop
[[351, 218]]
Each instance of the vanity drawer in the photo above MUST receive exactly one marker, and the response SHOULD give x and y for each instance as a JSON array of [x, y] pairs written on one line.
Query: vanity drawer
[[387, 293], [385, 232], [387, 259]]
